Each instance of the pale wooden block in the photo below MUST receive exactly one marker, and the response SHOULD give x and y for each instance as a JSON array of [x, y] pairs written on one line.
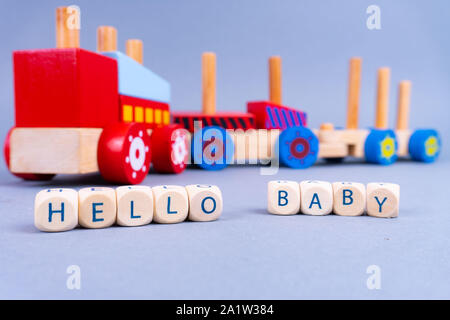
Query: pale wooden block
[[97, 207], [403, 142], [383, 200], [355, 139], [316, 197], [56, 210], [283, 197], [332, 150], [54, 150], [205, 202], [245, 145], [171, 204], [349, 198], [134, 205]]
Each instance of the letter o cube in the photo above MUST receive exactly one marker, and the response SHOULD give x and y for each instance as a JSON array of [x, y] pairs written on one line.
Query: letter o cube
[[317, 197], [56, 210], [134, 205], [283, 197], [170, 204], [205, 202], [97, 207], [349, 198], [383, 200]]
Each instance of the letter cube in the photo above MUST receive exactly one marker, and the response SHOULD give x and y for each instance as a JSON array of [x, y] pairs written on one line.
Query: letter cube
[[56, 210], [97, 207], [283, 197], [134, 205], [383, 200], [205, 202], [170, 204], [317, 197], [349, 198]]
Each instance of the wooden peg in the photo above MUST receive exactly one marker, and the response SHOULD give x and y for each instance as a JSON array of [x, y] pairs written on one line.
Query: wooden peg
[[404, 95], [106, 39], [209, 82], [275, 79], [68, 27], [135, 50], [354, 84], [381, 121]]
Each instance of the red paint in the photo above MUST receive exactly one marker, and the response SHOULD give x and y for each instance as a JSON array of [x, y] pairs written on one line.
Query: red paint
[[277, 117], [65, 88], [118, 160], [299, 154], [170, 149], [137, 102], [226, 120]]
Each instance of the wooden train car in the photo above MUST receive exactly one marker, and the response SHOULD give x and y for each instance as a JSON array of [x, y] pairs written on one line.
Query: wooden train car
[[78, 111], [271, 131]]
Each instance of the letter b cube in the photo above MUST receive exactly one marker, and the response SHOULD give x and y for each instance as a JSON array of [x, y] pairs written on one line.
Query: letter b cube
[[349, 198], [283, 197]]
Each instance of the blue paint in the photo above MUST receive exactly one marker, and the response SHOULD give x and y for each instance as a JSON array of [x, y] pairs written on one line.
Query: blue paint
[[417, 145], [203, 186], [289, 136], [168, 207], [203, 205], [380, 204], [132, 216], [216, 137], [269, 112], [373, 147], [137, 81], [315, 200], [347, 196], [51, 212], [284, 197], [95, 211]]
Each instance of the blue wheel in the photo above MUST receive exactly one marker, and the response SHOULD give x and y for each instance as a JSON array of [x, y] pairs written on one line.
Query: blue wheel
[[298, 147], [212, 148], [381, 147], [424, 145]]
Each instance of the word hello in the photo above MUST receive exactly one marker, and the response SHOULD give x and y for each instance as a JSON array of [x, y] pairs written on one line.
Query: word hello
[[100, 207], [320, 198]]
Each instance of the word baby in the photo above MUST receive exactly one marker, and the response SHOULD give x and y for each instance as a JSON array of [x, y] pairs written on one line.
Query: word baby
[[99, 207], [343, 198]]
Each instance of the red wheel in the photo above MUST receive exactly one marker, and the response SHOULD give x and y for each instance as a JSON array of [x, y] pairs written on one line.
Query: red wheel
[[170, 149], [124, 153], [25, 176]]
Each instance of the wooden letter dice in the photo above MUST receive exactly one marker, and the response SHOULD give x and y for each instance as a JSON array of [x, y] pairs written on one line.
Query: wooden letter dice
[[205, 202], [283, 197], [383, 200], [317, 198], [134, 205], [349, 198], [56, 210], [97, 208], [170, 204]]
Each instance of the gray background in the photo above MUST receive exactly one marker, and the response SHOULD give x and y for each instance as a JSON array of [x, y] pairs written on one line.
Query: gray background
[[248, 253]]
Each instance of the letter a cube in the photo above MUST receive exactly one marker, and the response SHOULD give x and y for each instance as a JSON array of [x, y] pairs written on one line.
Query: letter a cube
[[283, 197], [383, 200], [205, 202], [317, 197], [56, 210], [349, 198]]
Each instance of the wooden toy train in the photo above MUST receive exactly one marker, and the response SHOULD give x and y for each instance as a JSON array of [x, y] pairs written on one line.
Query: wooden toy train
[[79, 111]]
